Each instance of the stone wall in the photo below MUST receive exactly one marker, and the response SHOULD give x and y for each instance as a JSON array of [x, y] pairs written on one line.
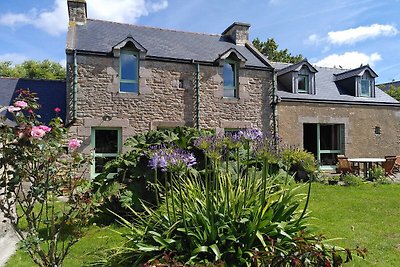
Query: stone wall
[[167, 97], [359, 122]]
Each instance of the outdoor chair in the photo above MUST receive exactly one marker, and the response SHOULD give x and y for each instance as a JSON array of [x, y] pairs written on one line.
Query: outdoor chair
[[389, 165], [396, 167], [346, 167]]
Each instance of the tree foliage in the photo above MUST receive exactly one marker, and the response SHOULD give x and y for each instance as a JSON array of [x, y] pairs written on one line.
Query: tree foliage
[[32, 69], [270, 49], [394, 91]]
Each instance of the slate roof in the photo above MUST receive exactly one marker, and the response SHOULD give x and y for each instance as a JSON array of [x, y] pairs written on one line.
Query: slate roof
[[51, 94], [292, 67], [100, 36], [354, 72], [328, 91]]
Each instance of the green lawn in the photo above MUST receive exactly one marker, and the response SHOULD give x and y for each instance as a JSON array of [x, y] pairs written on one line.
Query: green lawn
[[366, 216], [82, 253]]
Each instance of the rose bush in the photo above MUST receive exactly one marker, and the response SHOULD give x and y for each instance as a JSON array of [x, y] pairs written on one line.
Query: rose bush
[[43, 193]]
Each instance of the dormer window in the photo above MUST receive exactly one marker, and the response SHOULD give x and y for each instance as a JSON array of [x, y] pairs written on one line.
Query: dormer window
[[365, 88], [298, 78], [230, 78], [129, 52], [303, 84], [129, 71]]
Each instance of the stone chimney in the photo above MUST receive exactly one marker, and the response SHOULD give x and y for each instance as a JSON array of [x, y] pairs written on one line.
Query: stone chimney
[[238, 32], [77, 11]]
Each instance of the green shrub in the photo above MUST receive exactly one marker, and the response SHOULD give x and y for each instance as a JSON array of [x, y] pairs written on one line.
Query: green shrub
[[377, 174], [232, 213], [296, 160], [352, 179]]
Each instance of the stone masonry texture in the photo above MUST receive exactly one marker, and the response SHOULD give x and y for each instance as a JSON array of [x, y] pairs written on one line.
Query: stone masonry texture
[[359, 122], [167, 97]]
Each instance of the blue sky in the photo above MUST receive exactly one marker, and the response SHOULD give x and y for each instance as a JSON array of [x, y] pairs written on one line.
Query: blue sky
[[328, 33]]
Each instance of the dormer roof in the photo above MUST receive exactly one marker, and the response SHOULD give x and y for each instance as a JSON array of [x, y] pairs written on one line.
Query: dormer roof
[[355, 72], [297, 67], [127, 40]]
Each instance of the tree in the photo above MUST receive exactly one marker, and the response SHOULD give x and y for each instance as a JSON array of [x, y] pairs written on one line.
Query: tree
[[32, 69], [394, 91], [270, 49]]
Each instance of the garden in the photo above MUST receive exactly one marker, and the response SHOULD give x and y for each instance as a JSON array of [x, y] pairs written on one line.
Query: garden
[[185, 197]]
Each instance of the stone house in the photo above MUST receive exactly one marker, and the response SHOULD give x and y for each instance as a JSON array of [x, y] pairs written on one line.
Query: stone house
[[331, 111], [125, 79]]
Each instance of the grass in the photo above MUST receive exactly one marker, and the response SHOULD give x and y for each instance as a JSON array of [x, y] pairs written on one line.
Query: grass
[[83, 252], [366, 216]]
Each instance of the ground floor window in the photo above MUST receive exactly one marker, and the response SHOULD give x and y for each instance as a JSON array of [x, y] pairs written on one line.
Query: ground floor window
[[232, 131], [106, 144], [325, 141]]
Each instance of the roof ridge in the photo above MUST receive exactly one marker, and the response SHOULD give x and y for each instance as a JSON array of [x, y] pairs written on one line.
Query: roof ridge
[[156, 28], [31, 79]]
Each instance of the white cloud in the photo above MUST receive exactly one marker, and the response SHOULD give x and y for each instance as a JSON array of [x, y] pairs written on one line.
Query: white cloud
[[55, 20], [313, 39], [354, 35], [349, 60], [11, 19], [13, 57]]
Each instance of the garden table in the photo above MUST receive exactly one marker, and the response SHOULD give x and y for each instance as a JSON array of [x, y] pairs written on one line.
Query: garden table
[[367, 162]]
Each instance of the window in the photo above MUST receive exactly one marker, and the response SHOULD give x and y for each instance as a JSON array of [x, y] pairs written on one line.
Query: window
[[230, 78], [365, 88], [129, 71], [232, 131], [325, 141], [302, 84], [106, 143]]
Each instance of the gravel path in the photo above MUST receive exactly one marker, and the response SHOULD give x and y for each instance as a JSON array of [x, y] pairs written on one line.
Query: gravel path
[[8, 240]]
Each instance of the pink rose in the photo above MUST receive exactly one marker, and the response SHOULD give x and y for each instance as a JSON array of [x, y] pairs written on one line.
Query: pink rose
[[20, 104], [74, 143], [45, 128], [57, 110], [12, 109], [37, 133]]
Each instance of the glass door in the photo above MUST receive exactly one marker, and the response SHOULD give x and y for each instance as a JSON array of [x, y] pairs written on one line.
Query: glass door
[[325, 141]]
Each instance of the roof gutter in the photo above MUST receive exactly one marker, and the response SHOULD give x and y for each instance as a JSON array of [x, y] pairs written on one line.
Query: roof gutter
[[317, 101]]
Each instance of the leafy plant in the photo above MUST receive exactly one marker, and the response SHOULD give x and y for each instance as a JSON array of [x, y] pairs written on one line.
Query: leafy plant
[[134, 178], [36, 172], [377, 174], [352, 179], [296, 160], [230, 214]]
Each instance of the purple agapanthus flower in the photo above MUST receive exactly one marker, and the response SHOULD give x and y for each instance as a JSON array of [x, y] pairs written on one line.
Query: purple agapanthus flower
[[251, 134], [171, 159]]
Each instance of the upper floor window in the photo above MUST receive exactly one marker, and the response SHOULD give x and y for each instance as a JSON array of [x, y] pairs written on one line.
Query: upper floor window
[[230, 79], [302, 84], [365, 88], [129, 71]]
